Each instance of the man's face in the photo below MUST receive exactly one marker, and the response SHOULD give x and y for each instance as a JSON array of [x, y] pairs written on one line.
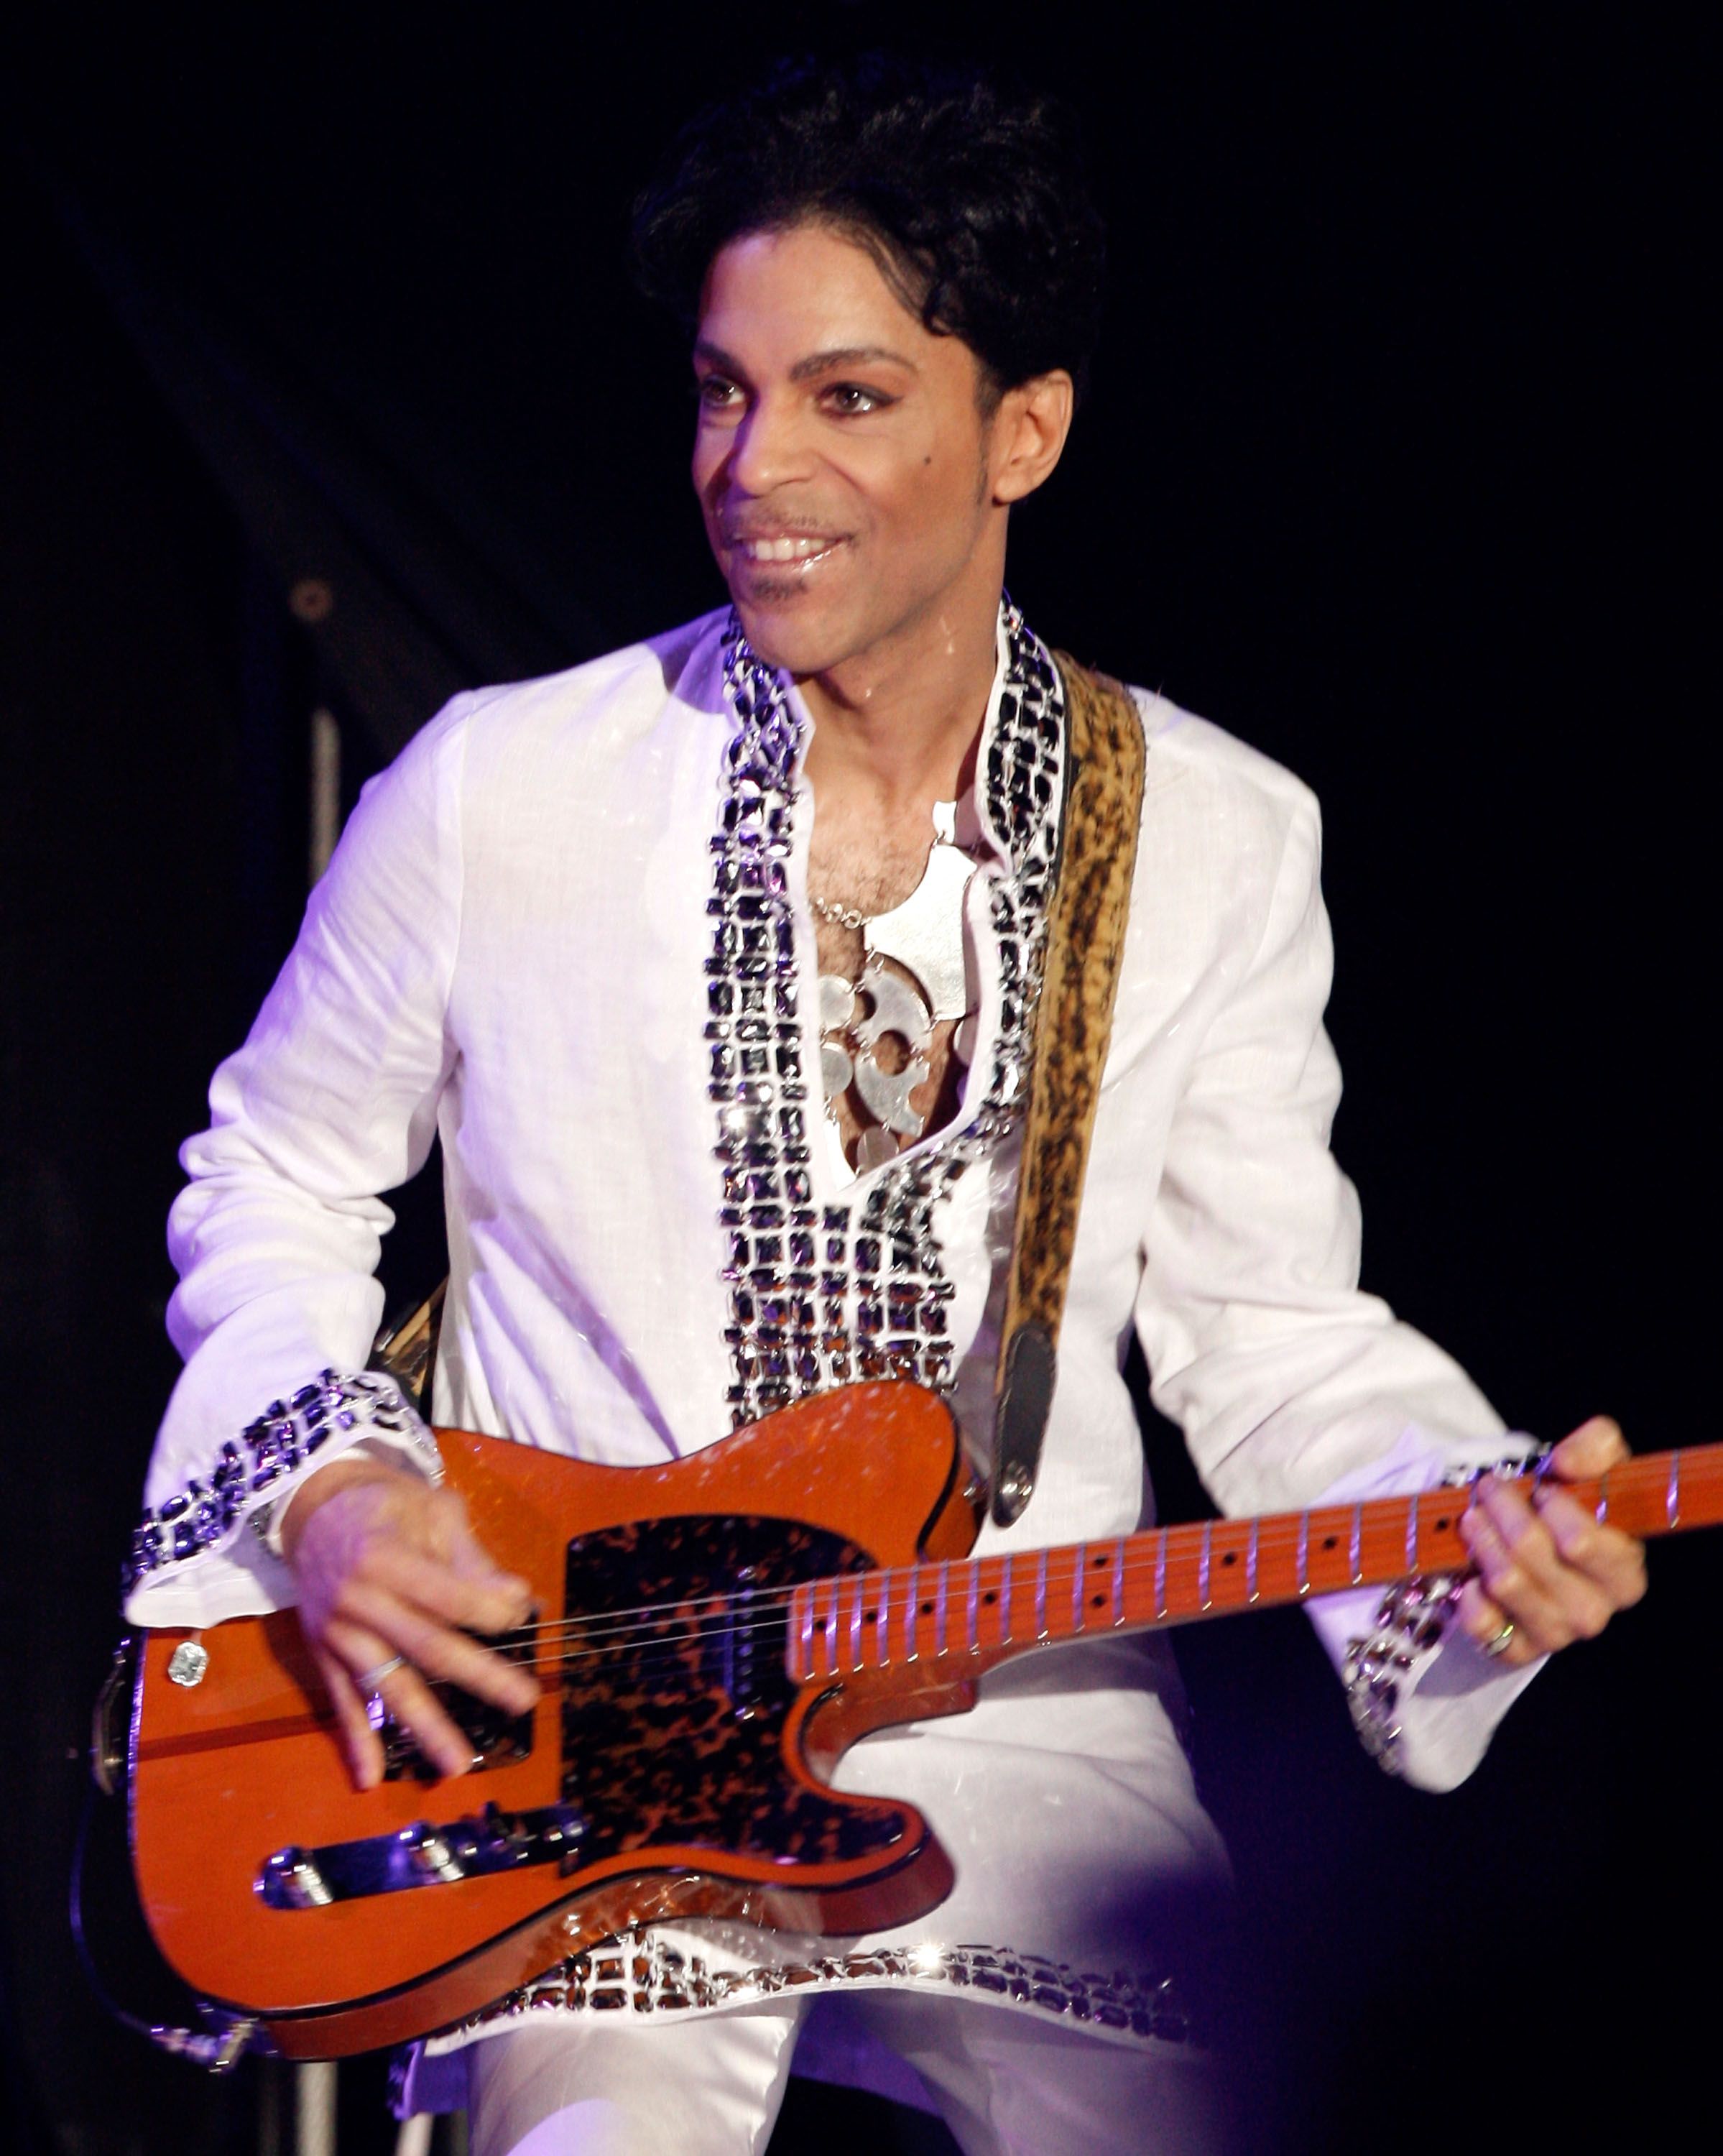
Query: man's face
[[841, 456]]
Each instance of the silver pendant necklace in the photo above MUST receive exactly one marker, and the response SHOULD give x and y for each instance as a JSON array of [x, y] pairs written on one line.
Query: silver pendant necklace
[[925, 936]]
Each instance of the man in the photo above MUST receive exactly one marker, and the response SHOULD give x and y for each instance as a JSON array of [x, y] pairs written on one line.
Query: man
[[603, 930]]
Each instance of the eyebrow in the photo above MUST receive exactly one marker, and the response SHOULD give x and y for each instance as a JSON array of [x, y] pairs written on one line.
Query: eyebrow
[[817, 362]]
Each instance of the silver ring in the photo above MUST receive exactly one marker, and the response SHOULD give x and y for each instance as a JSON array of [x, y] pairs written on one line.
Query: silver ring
[[1498, 1645], [368, 1681]]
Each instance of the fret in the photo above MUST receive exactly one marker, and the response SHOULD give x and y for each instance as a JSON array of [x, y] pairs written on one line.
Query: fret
[[1356, 1544], [830, 1630]]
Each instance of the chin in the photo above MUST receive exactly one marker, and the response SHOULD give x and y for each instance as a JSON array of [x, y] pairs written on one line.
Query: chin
[[800, 638]]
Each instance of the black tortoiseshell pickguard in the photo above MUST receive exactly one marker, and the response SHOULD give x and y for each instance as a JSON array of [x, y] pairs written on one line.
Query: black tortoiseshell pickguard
[[674, 1701]]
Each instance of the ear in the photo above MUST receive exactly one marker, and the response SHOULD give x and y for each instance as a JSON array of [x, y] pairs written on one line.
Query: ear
[[1029, 434]]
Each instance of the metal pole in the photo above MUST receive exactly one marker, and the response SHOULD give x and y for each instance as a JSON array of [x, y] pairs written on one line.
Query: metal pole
[[314, 2119], [326, 818], [315, 2086]]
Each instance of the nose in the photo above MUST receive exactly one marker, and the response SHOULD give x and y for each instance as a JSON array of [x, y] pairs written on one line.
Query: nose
[[768, 449]]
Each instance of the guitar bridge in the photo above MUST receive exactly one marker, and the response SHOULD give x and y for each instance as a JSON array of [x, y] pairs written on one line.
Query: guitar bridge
[[421, 1855]]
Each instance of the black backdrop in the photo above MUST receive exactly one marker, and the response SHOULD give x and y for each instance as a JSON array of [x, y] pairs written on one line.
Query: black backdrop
[[1393, 465]]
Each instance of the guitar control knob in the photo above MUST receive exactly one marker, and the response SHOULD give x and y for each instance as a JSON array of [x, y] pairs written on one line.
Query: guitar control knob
[[187, 1663]]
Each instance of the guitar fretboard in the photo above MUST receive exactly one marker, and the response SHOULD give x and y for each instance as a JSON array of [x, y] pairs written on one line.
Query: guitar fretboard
[[981, 1610]]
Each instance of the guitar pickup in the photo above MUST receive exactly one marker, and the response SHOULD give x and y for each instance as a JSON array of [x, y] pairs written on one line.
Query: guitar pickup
[[421, 1855]]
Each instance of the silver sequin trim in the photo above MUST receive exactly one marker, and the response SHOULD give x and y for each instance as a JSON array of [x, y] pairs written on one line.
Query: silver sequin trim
[[285, 1437], [1411, 1621], [821, 1295], [638, 1973]]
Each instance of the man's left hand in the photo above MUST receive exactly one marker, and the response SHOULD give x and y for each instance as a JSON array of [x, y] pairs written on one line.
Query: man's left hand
[[1547, 1574]]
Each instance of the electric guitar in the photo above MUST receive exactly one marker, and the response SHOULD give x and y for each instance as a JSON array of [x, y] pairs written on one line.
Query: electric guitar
[[710, 1637]]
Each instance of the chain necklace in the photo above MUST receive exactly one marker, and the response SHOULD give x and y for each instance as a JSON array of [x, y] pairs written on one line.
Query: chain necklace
[[840, 917]]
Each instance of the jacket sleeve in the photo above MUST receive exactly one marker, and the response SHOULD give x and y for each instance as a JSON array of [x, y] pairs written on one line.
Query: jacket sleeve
[[1290, 1385], [332, 1100]]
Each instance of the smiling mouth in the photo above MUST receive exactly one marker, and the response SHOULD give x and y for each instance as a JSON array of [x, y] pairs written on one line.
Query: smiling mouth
[[787, 550]]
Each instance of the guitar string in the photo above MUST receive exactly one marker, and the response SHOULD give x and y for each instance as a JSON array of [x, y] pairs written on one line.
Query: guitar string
[[1180, 1544], [718, 1616], [655, 1653], [723, 1617], [762, 1605]]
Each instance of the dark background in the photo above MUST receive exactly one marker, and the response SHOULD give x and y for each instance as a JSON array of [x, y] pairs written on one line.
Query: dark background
[[1394, 465]]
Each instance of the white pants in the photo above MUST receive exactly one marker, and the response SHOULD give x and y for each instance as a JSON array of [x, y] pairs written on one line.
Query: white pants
[[1006, 2083]]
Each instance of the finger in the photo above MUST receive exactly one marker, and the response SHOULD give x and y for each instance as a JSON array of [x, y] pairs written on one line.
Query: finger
[[406, 1698], [440, 1528], [1593, 1448], [492, 1601], [414, 1707], [1482, 1621], [396, 1529], [444, 1654], [1552, 1604], [470, 1558], [1520, 1550], [1614, 1561], [359, 1740]]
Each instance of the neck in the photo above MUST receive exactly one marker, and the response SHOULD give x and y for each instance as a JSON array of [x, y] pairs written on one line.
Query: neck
[[897, 723], [947, 1621]]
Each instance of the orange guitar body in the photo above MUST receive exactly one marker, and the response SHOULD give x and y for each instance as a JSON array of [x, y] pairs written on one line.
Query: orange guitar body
[[243, 1764]]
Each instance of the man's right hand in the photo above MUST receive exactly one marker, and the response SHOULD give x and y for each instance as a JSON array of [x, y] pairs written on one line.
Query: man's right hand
[[387, 1566]]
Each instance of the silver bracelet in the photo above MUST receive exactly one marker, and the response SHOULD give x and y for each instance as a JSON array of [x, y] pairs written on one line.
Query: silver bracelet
[[285, 1437]]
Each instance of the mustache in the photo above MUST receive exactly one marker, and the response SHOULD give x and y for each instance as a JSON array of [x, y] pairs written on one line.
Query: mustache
[[747, 530]]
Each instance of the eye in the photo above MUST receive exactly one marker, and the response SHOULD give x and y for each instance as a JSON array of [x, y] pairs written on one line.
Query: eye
[[717, 393], [850, 400]]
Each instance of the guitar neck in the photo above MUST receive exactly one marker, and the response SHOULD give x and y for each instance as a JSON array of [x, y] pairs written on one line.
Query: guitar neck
[[948, 1617]]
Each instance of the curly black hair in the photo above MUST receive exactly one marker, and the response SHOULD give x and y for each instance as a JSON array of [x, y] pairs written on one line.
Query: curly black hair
[[976, 203]]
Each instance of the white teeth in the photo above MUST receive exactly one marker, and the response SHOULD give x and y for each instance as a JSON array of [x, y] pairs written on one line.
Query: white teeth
[[783, 550]]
